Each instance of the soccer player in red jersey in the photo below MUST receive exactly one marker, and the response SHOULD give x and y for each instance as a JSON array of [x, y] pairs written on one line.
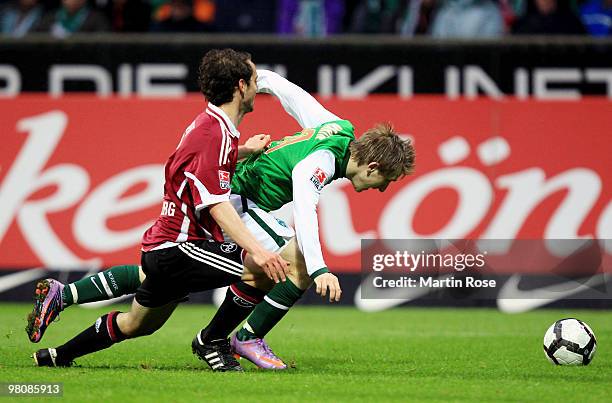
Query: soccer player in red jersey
[[183, 251]]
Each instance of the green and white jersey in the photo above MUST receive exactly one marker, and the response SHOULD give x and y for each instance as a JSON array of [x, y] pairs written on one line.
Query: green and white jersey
[[267, 179], [297, 167]]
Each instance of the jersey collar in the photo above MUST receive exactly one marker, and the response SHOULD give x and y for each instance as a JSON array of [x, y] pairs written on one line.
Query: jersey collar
[[344, 163], [219, 114]]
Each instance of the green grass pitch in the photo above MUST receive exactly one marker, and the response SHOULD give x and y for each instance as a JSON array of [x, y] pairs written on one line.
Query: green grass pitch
[[340, 354]]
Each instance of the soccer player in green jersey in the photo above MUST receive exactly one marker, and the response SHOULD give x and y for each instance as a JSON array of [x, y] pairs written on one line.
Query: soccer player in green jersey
[[296, 169]]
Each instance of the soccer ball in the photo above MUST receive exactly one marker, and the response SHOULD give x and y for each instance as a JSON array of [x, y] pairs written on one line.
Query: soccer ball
[[570, 342]]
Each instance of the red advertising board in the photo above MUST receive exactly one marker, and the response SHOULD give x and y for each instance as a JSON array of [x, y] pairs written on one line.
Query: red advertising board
[[81, 177]]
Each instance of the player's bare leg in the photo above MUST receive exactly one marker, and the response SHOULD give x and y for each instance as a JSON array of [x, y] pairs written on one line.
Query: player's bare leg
[[142, 321]]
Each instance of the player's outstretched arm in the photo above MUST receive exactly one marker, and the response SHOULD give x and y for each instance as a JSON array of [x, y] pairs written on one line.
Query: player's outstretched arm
[[309, 177], [304, 108], [273, 265]]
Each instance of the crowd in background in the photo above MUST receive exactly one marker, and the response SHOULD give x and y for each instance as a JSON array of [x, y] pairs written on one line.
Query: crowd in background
[[312, 18]]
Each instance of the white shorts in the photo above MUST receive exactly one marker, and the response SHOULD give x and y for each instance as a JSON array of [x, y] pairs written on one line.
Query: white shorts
[[271, 232]]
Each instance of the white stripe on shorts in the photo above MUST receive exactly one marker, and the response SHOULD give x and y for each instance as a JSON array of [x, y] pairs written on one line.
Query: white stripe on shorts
[[206, 252], [229, 263], [208, 261]]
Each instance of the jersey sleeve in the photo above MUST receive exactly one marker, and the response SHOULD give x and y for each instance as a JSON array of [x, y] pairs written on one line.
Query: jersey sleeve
[[208, 173], [304, 108], [309, 177]]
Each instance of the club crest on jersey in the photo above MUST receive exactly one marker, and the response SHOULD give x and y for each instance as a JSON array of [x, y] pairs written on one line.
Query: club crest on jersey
[[228, 247], [318, 178], [224, 180]]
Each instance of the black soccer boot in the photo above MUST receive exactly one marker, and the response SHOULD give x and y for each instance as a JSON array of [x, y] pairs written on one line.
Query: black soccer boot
[[217, 354], [47, 357]]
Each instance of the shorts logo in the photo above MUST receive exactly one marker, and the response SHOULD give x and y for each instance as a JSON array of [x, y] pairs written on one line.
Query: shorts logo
[[224, 180], [318, 179], [97, 325], [228, 247]]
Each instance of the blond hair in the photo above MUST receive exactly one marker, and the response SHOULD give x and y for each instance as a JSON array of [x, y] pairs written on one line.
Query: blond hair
[[395, 156]]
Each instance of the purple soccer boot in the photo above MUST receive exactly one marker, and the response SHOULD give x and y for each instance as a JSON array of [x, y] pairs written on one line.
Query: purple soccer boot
[[258, 352], [47, 306]]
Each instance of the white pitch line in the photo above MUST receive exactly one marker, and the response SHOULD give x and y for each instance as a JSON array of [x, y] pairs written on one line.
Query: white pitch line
[[19, 278]]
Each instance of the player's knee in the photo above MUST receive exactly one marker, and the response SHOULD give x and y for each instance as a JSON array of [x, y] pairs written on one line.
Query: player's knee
[[301, 278], [253, 275], [262, 283], [132, 327]]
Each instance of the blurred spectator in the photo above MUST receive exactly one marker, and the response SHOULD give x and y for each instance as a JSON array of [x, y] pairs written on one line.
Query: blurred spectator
[[179, 17], [246, 16], [508, 10], [406, 17], [597, 17], [17, 18], [548, 17], [73, 16], [517, 7], [183, 15], [127, 15], [468, 19], [310, 17], [375, 16], [415, 17]]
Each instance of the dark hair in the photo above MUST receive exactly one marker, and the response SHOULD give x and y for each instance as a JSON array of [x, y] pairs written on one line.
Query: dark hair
[[219, 74], [381, 144]]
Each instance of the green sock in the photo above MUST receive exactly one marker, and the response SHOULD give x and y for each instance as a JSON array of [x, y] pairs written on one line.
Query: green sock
[[107, 284], [270, 311]]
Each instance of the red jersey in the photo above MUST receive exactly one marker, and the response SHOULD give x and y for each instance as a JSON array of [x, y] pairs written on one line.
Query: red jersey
[[198, 174]]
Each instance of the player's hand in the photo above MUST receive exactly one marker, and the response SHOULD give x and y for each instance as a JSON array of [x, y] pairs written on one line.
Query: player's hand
[[328, 281], [273, 265], [257, 143]]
